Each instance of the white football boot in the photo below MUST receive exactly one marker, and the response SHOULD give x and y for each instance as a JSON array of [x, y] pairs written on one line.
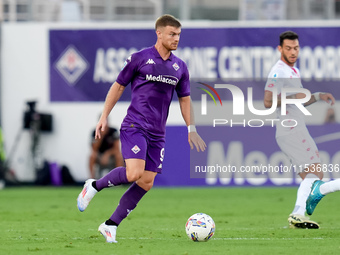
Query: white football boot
[[109, 232], [86, 195], [301, 221]]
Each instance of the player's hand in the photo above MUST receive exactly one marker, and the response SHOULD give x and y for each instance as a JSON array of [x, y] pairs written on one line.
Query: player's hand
[[102, 123], [328, 98], [197, 141]]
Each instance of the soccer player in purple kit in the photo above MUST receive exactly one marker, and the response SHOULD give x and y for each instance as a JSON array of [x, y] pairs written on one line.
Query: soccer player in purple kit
[[154, 73]]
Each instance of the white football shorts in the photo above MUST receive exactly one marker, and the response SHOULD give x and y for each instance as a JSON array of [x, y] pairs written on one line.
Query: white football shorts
[[300, 148]]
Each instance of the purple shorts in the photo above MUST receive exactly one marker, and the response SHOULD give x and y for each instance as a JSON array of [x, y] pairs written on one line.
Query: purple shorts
[[136, 143]]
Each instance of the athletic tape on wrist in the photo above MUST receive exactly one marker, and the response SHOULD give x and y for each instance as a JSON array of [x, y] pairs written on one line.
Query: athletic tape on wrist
[[191, 128], [317, 95]]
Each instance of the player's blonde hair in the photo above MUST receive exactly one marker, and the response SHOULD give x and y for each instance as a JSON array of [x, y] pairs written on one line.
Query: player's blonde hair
[[167, 20]]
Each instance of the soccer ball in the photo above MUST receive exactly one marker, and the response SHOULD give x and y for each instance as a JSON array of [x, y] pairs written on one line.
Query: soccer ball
[[200, 227]]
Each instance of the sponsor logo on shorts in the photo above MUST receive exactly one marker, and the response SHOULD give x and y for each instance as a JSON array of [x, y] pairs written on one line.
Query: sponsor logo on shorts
[[135, 149]]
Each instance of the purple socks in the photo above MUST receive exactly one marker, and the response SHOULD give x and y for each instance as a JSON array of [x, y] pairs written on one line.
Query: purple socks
[[115, 177], [128, 202]]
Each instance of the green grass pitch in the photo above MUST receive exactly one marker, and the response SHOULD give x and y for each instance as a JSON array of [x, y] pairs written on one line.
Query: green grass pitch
[[45, 220]]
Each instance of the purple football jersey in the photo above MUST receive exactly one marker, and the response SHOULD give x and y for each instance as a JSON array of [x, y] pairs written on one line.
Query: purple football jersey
[[153, 82]]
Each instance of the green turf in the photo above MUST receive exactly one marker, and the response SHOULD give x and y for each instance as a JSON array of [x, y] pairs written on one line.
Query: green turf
[[248, 221]]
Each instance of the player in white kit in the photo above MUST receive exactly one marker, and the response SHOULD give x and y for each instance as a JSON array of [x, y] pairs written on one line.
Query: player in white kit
[[293, 138]]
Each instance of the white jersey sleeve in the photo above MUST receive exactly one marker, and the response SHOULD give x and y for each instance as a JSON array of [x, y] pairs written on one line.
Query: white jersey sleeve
[[275, 80]]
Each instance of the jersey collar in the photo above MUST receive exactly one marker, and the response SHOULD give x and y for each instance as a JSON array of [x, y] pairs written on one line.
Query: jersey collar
[[156, 53], [291, 67]]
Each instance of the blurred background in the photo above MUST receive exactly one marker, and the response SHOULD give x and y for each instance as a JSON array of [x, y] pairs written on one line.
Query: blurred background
[[141, 10], [59, 58]]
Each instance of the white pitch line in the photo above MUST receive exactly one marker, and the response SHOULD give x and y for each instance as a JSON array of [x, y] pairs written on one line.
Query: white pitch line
[[227, 238], [182, 238], [266, 238]]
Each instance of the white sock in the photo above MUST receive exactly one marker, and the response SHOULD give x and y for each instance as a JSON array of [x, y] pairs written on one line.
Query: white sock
[[329, 187], [302, 194]]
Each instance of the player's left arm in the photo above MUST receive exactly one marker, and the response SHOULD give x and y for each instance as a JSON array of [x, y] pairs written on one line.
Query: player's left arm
[[115, 92], [188, 116], [317, 96]]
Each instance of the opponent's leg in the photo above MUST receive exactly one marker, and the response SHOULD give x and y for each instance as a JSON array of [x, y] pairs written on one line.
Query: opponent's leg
[[330, 187], [297, 218], [318, 191], [303, 192]]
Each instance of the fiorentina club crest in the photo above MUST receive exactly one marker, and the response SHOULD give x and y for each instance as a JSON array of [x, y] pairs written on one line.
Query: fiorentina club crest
[[135, 149], [175, 66], [71, 65]]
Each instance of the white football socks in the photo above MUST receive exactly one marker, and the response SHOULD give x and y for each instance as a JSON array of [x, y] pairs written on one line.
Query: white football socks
[[329, 187], [303, 192]]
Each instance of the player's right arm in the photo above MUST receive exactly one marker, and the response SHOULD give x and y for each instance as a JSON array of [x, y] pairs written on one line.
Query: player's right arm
[[124, 78], [274, 84], [112, 98], [268, 99]]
